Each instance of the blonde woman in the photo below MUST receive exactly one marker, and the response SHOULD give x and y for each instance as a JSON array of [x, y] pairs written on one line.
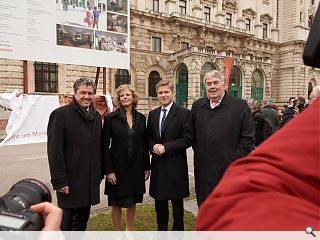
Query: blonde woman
[[126, 158]]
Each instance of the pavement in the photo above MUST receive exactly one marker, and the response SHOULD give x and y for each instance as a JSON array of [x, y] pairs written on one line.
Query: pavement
[[30, 161]]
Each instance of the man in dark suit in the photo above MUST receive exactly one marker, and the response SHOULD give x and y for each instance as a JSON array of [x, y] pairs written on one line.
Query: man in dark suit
[[223, 132], [74, 156], [170, 134]]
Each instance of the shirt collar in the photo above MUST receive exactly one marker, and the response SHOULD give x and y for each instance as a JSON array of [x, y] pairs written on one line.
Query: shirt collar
[[167, 107]]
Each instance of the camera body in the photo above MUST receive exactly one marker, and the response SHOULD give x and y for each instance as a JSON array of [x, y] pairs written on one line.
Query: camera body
[[15, 212]]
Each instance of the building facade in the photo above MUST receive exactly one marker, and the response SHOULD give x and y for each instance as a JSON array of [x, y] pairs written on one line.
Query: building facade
[[181, 40]]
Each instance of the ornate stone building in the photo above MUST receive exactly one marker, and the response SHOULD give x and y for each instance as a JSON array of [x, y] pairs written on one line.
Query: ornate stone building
[[181, 40]]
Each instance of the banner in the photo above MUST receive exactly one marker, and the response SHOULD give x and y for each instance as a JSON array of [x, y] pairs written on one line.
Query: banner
[[91, 33], [29, 118], [30, 115], [227, 69]]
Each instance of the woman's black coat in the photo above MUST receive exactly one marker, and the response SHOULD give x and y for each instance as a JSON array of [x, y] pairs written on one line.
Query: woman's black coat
[[129, 173]]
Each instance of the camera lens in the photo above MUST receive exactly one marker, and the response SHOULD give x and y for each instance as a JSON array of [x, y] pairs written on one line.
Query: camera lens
[[28, 192]]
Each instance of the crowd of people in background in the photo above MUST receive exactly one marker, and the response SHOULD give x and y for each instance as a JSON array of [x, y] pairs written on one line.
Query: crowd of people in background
[[269, 117]]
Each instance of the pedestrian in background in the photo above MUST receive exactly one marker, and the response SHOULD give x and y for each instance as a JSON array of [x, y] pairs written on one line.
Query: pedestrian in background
[[96, 16], [125, 156], [170, 134], [89, 17], [74, 155], [223, 132]]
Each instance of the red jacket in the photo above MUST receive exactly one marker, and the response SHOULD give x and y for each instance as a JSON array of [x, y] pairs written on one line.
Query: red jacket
[[276, 187]]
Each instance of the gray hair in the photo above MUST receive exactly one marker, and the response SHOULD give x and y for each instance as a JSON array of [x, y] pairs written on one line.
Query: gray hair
[[316, 90], [84, 81], [214, 74]]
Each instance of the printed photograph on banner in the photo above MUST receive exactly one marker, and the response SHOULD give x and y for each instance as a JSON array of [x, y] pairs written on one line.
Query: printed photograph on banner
[[119, 6], [74, 36], [117, 23], [111, 42], [90, 13]]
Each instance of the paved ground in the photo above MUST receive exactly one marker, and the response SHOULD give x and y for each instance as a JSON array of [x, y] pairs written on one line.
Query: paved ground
[[30, 161]]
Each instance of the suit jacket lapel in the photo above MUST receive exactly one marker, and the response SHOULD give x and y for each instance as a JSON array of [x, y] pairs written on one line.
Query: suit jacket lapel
[[170, 116]]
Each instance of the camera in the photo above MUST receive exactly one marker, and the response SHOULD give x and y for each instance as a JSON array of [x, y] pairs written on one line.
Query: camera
[[15, 212]]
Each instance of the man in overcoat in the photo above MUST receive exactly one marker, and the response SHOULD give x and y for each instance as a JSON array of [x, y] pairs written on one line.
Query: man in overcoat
[[74, 156], [223, 132], [170, 134]]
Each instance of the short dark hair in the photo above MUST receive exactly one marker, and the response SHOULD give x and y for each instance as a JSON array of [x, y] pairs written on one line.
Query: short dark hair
[[84, 81]]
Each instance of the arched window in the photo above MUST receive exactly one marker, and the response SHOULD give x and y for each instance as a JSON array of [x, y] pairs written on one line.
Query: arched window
[[257, 85], [182, 85], [207, 67], [122, 77], [235, 88], [154, 78]]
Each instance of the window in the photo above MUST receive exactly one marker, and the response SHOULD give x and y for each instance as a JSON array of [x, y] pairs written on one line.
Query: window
[[154, 78], [235, 88], [206, 11], [156, 44], [46, 77], [248, 24], [312, 2], [183, 7], [264, 30], [228, 19], [257, 85], [154, 5], [184, 45], [122, 77]]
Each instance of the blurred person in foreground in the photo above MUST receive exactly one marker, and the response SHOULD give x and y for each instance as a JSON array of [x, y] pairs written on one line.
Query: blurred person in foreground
[[74, 155], [126, 157], [276, 187], [223, 132]]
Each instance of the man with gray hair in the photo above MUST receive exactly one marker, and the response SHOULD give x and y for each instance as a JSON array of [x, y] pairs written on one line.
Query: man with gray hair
[[223, 132], [74, 156], [314, 94]]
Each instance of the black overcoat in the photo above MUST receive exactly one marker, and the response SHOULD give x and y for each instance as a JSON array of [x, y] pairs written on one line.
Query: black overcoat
[[129, 173], [169, 172], [221, 135], [74, 155]]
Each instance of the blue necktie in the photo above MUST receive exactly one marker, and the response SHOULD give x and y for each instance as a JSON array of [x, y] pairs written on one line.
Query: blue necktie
[[164, 115]]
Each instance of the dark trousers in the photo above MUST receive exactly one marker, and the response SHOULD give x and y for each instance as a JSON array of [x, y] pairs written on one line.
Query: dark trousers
[[75, 219], [162, 211]]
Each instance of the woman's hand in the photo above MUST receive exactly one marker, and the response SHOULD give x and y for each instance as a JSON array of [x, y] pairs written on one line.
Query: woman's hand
[[146, 175], [111, 178]]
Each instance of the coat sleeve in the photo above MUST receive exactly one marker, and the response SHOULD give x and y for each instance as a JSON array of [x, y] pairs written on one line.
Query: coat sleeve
[[55, 143], [106, 148], [186, 137], [247, 134], [146, 156], [150, 138]]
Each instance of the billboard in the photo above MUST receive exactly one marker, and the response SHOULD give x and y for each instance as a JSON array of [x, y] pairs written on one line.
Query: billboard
[[82, 32]]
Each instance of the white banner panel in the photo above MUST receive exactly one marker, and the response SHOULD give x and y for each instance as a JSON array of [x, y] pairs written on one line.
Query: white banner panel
[[92, 33], [29, 118]]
